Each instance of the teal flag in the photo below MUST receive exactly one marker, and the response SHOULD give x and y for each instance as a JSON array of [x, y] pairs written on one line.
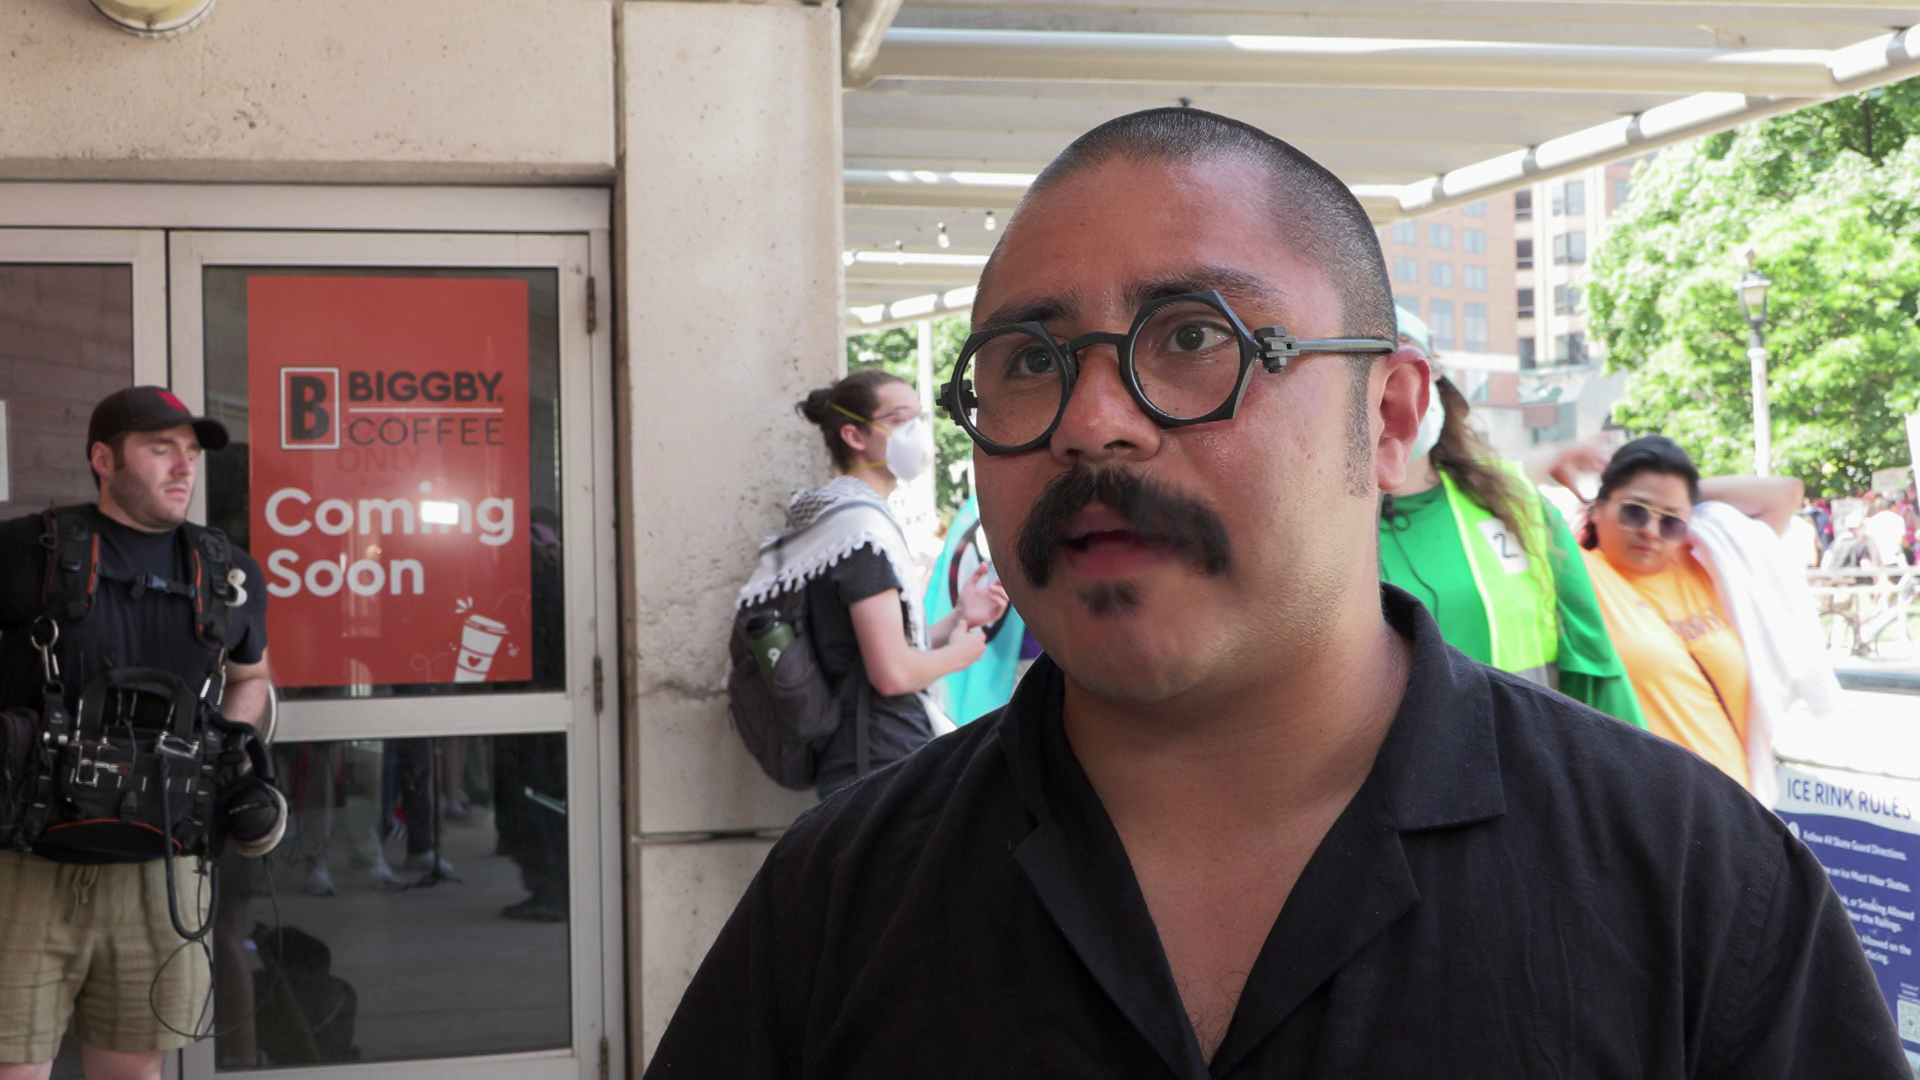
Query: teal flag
[[987, 685]]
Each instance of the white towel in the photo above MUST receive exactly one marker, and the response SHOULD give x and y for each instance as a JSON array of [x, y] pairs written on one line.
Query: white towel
[[1765, 594]]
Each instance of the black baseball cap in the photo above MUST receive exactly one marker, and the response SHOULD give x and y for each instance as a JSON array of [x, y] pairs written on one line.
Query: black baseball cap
[[150, 408]]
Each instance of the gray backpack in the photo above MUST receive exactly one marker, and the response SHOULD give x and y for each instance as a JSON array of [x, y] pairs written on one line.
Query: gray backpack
[[782, 704]]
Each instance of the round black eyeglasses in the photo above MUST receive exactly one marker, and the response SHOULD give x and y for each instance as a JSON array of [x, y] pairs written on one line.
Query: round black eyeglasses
[[1185, 361]]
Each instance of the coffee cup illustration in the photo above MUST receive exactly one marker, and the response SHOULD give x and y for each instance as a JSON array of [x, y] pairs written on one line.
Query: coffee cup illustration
[[480, 638]]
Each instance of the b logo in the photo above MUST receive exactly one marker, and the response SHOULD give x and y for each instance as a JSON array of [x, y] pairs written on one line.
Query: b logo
[[309, 408]]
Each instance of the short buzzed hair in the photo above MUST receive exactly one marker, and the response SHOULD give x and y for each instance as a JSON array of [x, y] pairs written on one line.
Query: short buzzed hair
[[1315, 214]]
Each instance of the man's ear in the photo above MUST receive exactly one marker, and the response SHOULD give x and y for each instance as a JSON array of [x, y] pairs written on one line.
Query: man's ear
[[100, 456], [1406, 382]]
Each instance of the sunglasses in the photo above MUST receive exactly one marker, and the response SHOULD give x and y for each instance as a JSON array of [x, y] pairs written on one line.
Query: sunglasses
[[1634, 517]]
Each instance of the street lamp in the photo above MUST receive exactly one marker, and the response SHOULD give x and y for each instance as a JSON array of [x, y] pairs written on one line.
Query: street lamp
[[1752, 290]]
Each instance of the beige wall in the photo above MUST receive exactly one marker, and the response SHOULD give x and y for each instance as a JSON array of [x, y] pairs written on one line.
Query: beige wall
[[351, 90], [730, 213]]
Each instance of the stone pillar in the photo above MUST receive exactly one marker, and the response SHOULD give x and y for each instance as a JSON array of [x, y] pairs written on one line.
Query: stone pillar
[[729, 221]]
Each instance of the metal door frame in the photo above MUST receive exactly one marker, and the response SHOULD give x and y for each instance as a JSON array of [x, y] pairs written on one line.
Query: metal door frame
[[166, 232], [145, 250]]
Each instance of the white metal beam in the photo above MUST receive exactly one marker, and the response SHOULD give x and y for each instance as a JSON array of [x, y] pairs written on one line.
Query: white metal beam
[[1888, 58], [1039, 109], [1355, 150], [922, 189], [915, 53], [863, 25], [935, 190], [872, 317], [1702, 23], [908, 278], [1885, 59], [1292, 114]]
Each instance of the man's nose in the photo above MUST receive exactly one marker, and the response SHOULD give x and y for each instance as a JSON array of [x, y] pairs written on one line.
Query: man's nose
[[1102, 421]]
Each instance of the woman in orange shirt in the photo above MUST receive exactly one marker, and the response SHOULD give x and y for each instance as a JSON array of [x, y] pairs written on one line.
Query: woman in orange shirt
[[1682, 652]]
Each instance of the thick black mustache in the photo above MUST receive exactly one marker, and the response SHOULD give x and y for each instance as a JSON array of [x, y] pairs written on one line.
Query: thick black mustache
[[1153, 509]]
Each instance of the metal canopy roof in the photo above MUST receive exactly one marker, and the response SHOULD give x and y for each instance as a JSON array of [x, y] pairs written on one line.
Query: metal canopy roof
[[1419, 104]]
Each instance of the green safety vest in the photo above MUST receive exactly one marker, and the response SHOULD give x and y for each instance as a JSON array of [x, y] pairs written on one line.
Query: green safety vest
[[1514, 580]]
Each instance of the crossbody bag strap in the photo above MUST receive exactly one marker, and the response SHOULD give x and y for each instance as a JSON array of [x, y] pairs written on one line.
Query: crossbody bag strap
[[56, 730], [214, 592], [1715, 687]]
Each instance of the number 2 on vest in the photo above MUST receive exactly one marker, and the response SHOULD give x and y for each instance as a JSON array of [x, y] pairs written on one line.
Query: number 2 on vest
[[1506, 546]]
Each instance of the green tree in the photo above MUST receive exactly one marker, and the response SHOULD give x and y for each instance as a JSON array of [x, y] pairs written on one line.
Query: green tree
[[1829, 198], [898, 351]]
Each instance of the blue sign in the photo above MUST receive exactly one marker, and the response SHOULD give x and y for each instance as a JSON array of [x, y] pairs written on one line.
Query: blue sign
[[1862, 828]]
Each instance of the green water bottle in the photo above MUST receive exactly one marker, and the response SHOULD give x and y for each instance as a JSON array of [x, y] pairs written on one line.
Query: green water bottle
[[770, 636]]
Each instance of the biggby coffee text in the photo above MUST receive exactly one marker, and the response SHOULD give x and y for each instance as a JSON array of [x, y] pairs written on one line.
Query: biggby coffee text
[[403, 386]]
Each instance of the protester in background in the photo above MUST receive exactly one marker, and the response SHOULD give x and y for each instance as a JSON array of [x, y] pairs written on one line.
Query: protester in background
[[1850, 548], [530, 814], [1887, 531], [863, 592], [1493, 561], [986, 685], [1707, 607], [1909, 510], [1821, 514]]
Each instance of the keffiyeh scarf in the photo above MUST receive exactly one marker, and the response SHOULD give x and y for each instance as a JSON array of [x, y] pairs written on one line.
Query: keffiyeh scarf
[[825, 525]]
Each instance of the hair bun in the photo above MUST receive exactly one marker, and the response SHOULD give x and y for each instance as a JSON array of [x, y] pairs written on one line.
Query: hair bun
[[818, 404]]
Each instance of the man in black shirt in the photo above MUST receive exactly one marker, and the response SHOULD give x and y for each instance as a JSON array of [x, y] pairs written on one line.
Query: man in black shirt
[[1251, 817], [84, 936]]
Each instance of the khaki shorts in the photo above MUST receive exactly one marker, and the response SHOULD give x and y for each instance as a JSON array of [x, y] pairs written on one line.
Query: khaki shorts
[[84, 942]]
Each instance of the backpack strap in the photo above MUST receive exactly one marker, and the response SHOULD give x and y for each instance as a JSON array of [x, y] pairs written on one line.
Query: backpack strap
[[74, 572], [73, 563], [213, 592]]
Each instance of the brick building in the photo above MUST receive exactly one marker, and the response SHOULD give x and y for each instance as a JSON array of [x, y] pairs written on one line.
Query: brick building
[[1501, 283]]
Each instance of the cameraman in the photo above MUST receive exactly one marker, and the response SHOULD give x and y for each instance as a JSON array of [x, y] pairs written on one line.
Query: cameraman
[[84, 935]]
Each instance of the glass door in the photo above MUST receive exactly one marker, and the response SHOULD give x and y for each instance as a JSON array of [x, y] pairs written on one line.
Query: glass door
[[417, 422], [82, 314]]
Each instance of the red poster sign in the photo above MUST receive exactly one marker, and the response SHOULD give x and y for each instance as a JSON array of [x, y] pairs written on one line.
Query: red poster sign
[[389, 458]]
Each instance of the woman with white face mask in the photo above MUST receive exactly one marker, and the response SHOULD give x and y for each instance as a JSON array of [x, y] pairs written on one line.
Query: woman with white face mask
[[863, 587], [1471, 538]]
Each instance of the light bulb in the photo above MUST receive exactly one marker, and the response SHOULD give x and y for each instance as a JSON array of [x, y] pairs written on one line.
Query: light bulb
[[990, 223], [944, 240]]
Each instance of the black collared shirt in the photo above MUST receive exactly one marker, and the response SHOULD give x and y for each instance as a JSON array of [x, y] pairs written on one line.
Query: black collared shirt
[[1522, 887]]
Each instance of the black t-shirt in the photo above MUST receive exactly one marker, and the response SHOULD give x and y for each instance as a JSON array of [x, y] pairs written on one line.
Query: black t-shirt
[[154, 631], [897, 725], [1522, 887]]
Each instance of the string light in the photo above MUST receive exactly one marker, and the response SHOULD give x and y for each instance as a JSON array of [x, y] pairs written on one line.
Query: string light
[[943, 239], [990, 223]]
